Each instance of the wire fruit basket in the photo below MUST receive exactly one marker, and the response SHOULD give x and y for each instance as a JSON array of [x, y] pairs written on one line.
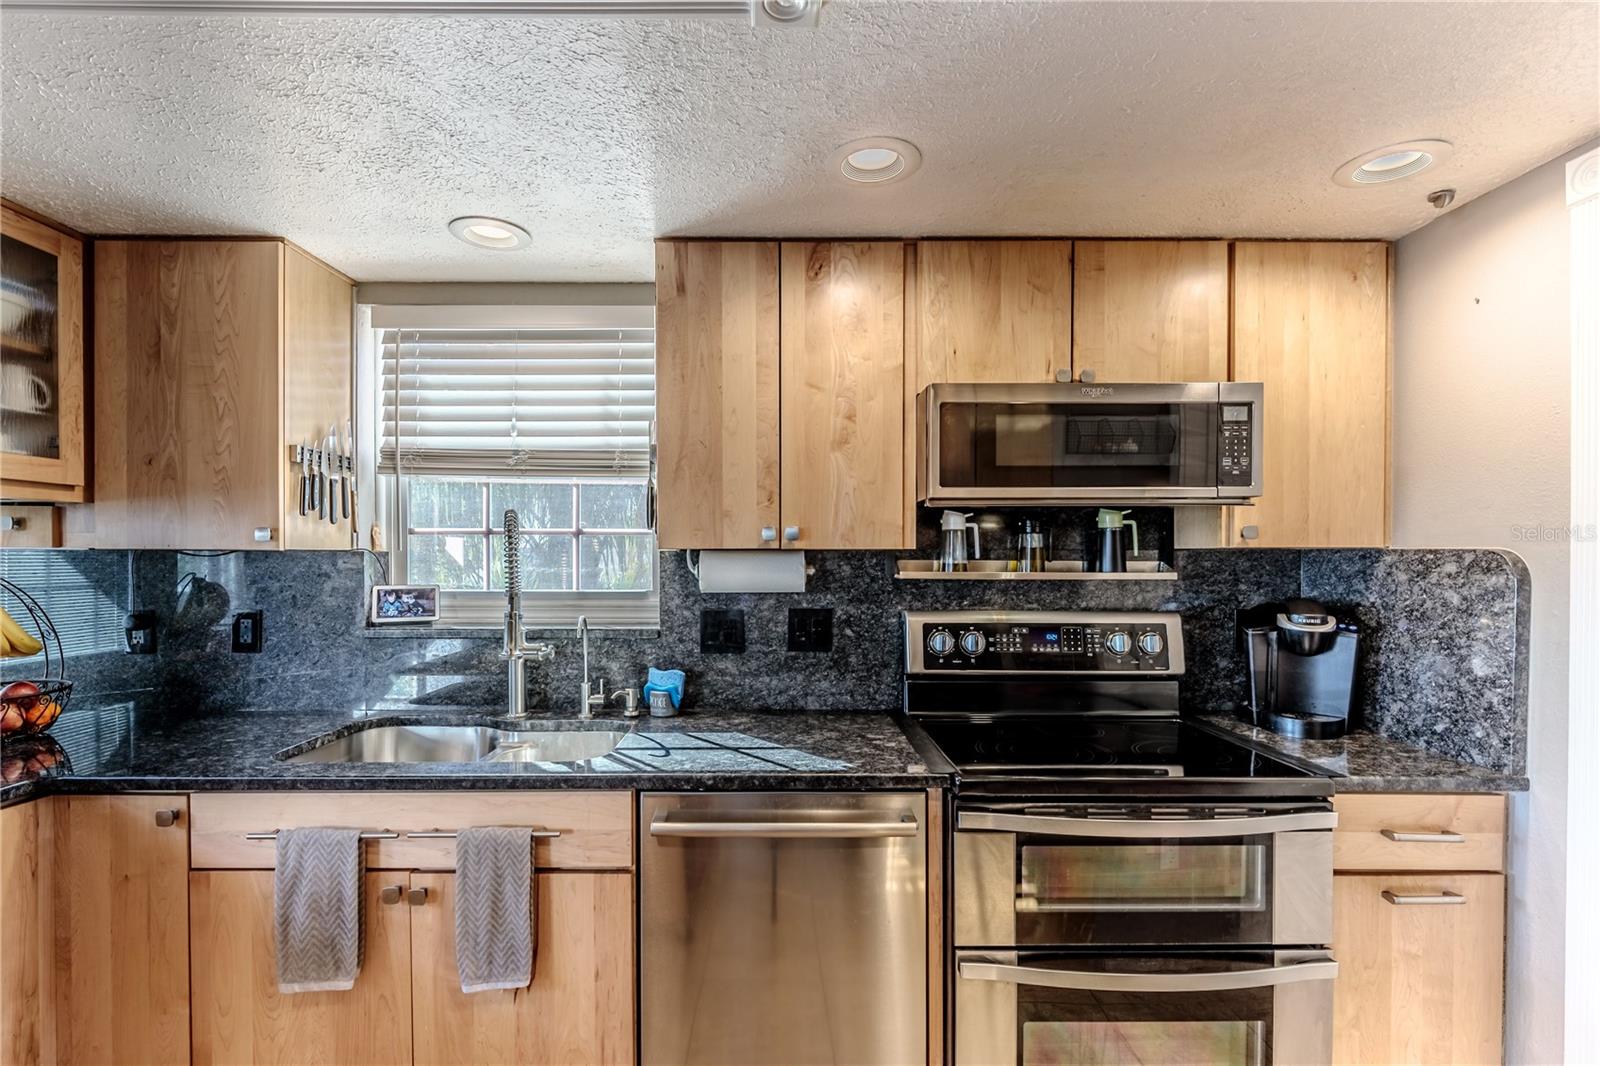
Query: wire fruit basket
[[32, 705]]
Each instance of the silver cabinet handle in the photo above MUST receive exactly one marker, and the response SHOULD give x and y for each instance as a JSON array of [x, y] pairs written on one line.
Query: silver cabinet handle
[[366, 834], [1045, 825], [1445, 837], [693, 824], [390, 894], [451, 834], [1439, 899], [1249, 532], [769, 533], [1147, 982], [167, 817], [791, 533], [417, 897]]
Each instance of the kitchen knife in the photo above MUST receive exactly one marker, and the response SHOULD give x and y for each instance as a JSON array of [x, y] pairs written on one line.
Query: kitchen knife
[[305, 481], [316, 485], [334, 480], [322, 481], [347, 464]]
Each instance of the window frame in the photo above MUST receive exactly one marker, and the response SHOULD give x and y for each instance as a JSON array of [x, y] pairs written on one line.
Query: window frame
[[541, 608]]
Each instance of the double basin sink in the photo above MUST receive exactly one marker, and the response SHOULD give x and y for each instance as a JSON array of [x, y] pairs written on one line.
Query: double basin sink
[[464, 744]]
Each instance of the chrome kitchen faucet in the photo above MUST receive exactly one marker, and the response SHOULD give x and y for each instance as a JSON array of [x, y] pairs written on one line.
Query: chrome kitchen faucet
[[518, 650]]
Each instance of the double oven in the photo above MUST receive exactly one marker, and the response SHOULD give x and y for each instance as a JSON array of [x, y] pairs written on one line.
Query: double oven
[[1127, 885], [1154, 932]]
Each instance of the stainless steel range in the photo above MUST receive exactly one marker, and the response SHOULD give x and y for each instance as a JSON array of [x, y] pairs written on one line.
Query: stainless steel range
[[1128, 885]]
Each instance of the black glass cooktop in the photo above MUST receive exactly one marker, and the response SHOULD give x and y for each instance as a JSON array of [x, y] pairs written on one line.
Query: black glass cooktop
[[1069, 746]]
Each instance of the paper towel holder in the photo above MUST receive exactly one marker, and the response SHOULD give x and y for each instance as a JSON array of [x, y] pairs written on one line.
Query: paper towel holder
[[749, 571]]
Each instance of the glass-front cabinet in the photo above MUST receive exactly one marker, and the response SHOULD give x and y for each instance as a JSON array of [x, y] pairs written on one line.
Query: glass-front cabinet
[[42, 439]]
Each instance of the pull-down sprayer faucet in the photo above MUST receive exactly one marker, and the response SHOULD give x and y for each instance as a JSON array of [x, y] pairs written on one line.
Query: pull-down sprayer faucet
[[517, 649]]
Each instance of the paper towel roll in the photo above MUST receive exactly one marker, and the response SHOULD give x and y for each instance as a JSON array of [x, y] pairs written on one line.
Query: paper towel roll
[[752, 571]]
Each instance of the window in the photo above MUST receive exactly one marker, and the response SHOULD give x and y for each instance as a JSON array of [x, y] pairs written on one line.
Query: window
[[552, 422]]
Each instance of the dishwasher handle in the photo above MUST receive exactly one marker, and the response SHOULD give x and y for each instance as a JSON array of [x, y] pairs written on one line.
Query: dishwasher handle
[[761, 825]]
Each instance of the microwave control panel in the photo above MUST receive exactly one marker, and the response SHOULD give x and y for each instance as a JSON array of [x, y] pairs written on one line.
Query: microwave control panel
[[1233, 445], [1128, 646]]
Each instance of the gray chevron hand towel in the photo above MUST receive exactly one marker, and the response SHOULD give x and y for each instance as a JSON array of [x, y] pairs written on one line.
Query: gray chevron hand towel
[[494, 908], [317, 892]]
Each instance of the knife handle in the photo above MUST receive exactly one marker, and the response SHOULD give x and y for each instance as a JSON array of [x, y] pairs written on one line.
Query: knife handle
[[305, 493], [333, 502], [344, 495]]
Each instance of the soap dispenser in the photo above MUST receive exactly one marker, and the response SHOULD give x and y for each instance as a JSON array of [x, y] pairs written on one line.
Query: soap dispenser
[[953, 529]]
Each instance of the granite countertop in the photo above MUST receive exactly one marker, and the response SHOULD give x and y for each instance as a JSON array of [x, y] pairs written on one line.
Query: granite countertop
[[1367, 762], [133, 746]]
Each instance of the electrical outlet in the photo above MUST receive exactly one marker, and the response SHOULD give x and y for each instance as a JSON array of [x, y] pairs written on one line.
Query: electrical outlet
[[811, 629], [722, 632], [140, 629], [249, 631]]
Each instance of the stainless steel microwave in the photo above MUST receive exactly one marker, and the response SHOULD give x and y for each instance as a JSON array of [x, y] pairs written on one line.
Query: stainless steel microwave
[[1079, 443]]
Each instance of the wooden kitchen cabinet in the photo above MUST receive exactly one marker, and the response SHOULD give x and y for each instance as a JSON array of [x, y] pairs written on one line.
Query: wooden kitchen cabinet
[[241, 1017], [26, 1035], [1419, 982], [1150, 310], [1418, 928], [843, 437], [43, 447], [992, 311], [577, 1012], [717, 394], [1311, 321], [211, 357]]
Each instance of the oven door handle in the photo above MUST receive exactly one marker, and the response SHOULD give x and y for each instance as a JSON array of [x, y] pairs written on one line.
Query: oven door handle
[[1095, 981], [1049, 825]]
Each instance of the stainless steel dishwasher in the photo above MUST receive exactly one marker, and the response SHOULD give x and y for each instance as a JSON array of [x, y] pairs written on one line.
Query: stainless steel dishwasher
[[783, 928]]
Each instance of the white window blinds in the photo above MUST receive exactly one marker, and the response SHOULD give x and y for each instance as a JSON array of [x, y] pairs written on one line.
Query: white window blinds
[[575, 402]]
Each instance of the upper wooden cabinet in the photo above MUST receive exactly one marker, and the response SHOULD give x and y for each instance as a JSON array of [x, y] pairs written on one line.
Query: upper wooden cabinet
[[843, 435], [717, 391], [211, 357], [1311, 321], [1150, 310], [821, 325], [993, 311], [42, 438]]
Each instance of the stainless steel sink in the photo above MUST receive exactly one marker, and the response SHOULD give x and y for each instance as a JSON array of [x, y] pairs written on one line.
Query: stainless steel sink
[[463, 743]]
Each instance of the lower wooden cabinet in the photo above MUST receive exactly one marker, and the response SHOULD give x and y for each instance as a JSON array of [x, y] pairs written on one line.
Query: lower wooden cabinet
[[407, 1004], [1421, 958]]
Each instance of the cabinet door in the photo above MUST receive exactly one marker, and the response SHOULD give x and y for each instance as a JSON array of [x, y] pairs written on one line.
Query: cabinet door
[[578, 1010], [1151, 310], [717, 394], [993, 311], [1419, 982], [1311, 321], [317, 341], [120, 914], [239, 1015], [187, 431], [41, 361], [843, 436], [25, 870]]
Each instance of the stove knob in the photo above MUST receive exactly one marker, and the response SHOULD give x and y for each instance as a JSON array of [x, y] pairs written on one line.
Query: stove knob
[[1151, 643], [940, 642], [973, 643], [1118, 643]]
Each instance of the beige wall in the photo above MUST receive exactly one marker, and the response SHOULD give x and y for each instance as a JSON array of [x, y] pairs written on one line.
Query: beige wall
[[1481, 458]]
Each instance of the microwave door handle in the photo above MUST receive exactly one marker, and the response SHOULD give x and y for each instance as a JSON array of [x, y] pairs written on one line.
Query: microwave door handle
[[1051, 825], [1096, 981]]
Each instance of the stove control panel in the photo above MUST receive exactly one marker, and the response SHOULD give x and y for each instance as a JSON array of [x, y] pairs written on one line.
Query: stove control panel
[[1041, 642]]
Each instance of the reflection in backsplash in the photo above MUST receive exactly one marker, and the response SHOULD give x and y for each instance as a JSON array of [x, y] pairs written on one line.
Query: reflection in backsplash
[[1444, 635]]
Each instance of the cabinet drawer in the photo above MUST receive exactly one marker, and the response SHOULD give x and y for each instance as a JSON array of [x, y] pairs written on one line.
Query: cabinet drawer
[[596, 827], [1419, 831]]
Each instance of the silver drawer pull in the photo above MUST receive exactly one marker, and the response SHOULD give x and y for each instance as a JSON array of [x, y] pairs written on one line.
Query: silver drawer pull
[[693, 824], [1445, 837], [1094, 980], [1441, 899], [451, 834], [366, 834], [1048, 825]]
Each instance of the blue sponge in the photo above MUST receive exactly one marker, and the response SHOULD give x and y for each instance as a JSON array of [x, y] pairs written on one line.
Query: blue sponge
[[668, 681]]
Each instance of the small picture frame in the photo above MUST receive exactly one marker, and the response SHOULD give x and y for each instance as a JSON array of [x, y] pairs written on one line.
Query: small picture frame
[[404, 604]]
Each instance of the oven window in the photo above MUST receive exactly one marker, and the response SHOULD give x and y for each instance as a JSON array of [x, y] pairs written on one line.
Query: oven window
[[1142, 876], [1141, 1043]]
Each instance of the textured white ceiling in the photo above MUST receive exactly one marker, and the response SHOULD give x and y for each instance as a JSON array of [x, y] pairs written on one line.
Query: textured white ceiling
[[360, 138]]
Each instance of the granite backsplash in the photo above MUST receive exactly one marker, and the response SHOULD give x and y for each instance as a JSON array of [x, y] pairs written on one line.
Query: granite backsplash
[[1445, 645]]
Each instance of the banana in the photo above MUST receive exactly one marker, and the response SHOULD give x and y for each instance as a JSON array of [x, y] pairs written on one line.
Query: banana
[[19, 642], [5, 645]]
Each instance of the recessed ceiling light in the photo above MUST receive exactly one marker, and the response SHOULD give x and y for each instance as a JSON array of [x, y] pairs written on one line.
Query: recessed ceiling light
[[485, 232], [1391, 163], [876, 160]]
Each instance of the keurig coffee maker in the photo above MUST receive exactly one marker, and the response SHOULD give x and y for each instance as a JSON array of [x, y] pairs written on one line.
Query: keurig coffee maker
[[1302, 664]]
